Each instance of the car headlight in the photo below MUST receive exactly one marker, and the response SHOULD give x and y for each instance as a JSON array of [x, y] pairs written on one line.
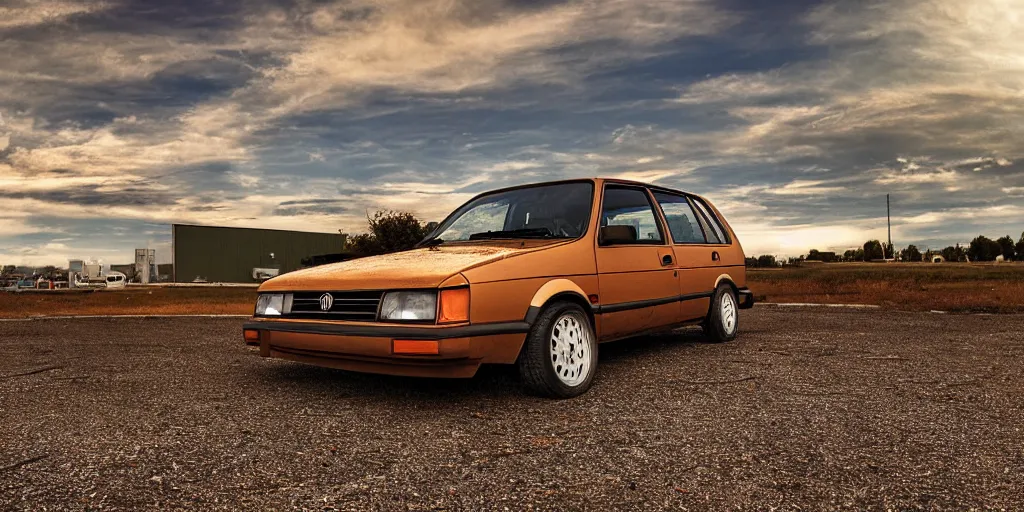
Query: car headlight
[[409, 306], [270, 304]]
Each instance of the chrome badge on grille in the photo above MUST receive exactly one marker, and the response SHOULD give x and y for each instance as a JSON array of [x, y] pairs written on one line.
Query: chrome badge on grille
[[326, 301]]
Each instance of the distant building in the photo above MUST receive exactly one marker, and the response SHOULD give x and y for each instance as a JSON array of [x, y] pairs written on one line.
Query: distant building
[[145, 265], [127, 269], [243, 255], [164, 272]]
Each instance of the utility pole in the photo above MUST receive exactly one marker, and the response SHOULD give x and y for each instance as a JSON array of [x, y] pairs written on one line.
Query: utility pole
[[888, 220]]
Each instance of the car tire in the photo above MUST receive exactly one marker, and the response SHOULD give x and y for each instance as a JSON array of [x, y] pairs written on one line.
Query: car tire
[[723, 320], [559, 358]]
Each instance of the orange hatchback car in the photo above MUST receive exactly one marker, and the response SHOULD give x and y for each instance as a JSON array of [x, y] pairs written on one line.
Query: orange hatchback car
[[535, 275]]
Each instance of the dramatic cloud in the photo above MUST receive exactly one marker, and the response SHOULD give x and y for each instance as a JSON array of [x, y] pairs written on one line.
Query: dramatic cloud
[[795, 117], [29, 13]]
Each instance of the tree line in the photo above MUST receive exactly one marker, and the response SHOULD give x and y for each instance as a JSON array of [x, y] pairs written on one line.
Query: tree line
[[981, 248]]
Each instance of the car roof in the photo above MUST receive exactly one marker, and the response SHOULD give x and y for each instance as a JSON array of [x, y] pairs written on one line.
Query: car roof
[[651, 186], [597, 180]]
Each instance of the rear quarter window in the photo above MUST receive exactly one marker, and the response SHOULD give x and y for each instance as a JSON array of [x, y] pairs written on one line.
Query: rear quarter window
[[682, 221], [716, 228]]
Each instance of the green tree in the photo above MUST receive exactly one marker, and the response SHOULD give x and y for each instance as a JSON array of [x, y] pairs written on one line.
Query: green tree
[[767, 260], [1020, 248], [390, 231], [983, 248], [364, 244], [1006, 248], [888, 251], [911, 253], [951, 253], [814, 255], [396, 231], [873, 250], [8, 270]]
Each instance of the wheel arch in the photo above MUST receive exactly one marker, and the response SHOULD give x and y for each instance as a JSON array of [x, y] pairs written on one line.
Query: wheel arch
[[726, 278], [559, 290], [722, 279]]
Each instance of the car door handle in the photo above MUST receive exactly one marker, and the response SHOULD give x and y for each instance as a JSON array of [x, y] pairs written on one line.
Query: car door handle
[[666, 260], [714, 256]]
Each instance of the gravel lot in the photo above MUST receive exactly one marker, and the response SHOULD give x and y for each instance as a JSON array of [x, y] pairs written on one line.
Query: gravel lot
[[810, 408]]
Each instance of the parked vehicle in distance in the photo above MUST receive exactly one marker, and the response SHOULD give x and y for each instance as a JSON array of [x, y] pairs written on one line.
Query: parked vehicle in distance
[[111, 280], [535, 275], [115, 280]]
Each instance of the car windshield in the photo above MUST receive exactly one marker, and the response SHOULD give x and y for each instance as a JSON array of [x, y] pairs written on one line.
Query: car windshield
[[559, 210]]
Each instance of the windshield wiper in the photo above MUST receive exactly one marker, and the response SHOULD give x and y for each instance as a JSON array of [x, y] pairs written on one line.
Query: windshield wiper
[[513, 233], [433, 242]]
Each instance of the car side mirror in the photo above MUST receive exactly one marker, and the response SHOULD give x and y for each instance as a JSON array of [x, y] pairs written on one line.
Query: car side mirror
[[614, 235]]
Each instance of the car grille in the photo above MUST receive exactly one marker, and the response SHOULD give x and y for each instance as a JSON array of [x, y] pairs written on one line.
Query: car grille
[[353, 306]]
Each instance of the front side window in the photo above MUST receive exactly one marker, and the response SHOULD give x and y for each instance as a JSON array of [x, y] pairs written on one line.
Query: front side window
[[682, 221], [631, 209], [560, 210]]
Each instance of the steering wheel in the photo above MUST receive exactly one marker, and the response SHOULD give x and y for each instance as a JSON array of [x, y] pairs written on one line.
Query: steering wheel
[[560, 228]]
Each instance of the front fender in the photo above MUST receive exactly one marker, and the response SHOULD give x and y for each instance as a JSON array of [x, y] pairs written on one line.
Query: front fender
[[556, 287]]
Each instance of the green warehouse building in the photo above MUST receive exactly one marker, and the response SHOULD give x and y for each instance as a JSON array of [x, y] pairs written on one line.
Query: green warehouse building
[[242, 255]]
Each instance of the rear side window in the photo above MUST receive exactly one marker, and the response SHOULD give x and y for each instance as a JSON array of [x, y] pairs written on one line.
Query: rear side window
[[631, 209], [682, 221], [716, 233]]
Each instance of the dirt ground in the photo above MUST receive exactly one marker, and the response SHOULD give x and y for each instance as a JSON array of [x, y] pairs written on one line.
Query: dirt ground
[[129, 301], [808, 409]]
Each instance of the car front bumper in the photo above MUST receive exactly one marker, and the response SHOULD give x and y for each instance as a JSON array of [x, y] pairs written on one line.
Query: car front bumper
[[370, 347]]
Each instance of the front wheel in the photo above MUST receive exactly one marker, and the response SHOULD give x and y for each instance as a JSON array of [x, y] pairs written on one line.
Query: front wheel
[[723, 320], [560, 354]]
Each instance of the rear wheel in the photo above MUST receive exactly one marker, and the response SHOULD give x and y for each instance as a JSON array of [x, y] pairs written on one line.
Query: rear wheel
[[723, 320], [560, 354]]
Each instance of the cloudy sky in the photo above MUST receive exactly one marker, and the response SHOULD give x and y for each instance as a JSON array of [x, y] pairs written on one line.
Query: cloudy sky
[[118, 118]]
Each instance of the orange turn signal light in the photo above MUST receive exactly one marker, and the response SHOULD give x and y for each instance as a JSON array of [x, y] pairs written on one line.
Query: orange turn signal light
[[252, 336], [454, 306], [416, 347]]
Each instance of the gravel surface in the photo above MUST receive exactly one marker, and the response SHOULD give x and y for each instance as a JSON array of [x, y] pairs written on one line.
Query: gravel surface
[[808, 408]]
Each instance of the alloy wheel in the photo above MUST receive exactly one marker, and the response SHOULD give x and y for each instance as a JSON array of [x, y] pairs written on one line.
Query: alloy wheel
[[571, 347], [728, 310]]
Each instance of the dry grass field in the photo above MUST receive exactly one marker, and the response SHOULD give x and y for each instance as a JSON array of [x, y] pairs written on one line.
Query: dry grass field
[[961, 288], [953, 287]]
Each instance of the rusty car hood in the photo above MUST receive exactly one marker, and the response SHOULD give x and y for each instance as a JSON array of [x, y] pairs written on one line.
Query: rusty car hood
[[418, 268]]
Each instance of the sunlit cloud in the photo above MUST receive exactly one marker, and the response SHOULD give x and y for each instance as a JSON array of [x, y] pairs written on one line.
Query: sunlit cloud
[[805, 188], [38, 12]]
